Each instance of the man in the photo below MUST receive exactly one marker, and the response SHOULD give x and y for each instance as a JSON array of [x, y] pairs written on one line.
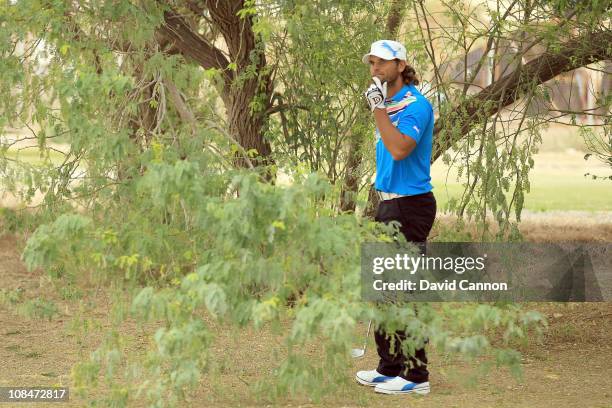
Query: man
[[404, 130]]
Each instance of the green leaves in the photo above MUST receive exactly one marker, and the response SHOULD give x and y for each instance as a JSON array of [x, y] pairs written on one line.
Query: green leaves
[[214, 298], [321, 78], [247, 253], [55, 243], [265, 311], [248, 9]]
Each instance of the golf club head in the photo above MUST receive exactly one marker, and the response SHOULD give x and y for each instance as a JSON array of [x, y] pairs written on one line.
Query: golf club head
[[357, 353]]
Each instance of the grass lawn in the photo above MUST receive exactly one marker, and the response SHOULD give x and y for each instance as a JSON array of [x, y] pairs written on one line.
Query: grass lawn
[[557, 183], [32, 156]]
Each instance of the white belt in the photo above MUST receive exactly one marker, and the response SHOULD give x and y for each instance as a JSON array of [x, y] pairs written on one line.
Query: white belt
[[388, 196]]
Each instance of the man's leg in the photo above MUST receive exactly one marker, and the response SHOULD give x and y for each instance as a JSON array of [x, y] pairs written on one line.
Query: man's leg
[[416, 214], [411, 368]]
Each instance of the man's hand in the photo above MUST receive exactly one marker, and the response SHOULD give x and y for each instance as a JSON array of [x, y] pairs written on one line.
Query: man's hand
[[376, 94]]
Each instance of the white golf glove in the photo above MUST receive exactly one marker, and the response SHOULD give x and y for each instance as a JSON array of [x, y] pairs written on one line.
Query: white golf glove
[[376, 94]]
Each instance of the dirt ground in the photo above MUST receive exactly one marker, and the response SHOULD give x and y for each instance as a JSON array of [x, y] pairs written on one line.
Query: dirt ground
[[550, 226], [571, 366]]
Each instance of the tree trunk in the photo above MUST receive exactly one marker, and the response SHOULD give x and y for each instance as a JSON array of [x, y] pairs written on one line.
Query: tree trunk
[[247, 129], [246, 125]]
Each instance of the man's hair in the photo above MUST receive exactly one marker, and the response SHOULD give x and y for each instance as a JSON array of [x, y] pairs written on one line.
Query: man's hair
[[409, 75]]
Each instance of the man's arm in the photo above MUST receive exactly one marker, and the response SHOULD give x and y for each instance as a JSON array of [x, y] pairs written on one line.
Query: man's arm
[[398, 144]]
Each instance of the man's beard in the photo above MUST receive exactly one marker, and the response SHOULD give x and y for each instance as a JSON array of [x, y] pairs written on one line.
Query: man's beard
[[391, 80]]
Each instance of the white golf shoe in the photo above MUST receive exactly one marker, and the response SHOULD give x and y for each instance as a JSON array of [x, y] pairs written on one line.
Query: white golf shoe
[[371, 378], [398, 385]]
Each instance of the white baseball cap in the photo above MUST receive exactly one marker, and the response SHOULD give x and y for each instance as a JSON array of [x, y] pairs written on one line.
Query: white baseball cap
[[386, 49]]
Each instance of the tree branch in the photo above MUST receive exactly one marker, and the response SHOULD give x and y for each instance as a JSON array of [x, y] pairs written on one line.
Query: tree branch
[[583, 50], [395, 17], [192, 45]]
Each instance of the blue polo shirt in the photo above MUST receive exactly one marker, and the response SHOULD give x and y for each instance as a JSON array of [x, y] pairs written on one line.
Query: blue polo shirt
[[412, 114]]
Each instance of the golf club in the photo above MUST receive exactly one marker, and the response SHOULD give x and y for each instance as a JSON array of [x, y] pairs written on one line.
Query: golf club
[[360, 352]]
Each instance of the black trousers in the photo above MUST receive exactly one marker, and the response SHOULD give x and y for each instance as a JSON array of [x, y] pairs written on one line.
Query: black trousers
[[416, 215]]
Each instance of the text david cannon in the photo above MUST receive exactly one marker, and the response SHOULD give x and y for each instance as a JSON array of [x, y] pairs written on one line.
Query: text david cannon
[[453, 285]]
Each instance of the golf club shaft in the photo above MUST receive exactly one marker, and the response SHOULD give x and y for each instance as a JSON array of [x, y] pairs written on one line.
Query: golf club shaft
[[365, 344]]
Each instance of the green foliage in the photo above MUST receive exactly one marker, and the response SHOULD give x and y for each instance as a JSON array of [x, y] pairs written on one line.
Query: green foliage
[[322, 78], [11, 297], [267, 255], [64, 242], [494, 180], [38, 308], [599, 145], [244, 252], [9, 221]]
